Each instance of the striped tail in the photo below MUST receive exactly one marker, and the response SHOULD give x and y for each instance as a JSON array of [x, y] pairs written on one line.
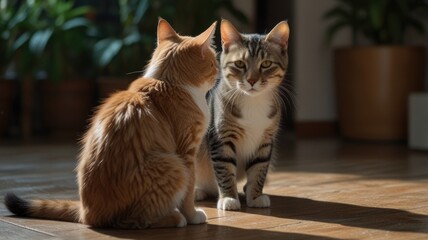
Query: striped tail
[[62, 210]]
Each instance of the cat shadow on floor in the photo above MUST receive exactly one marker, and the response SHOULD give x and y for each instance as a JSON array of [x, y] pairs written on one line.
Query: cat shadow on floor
[[206, 231], [387, 219]]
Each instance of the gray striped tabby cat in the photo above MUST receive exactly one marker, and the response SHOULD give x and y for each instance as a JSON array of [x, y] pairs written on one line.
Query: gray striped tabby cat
[[245, 117]]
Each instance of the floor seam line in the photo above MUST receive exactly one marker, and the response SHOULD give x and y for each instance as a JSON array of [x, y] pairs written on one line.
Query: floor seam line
[[27, 228]]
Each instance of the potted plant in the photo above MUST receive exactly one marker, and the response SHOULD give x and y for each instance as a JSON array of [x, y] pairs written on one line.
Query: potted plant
[[53, 38], [373, 82], [8, 85], [121, 47]]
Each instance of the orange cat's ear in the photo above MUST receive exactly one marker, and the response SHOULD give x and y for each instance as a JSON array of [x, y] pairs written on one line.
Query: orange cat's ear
[[165, 31], [205, 39], [280, 34], [229, 34]]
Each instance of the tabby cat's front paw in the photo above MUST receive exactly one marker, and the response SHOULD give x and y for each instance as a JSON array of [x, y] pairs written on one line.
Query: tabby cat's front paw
[[228, 203], [200, 217], [262, 201]]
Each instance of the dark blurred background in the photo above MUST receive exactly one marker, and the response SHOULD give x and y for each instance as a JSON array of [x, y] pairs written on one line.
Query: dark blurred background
[[60, 58]]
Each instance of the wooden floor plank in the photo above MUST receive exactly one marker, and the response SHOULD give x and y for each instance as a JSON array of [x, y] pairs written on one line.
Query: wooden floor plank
[[320, 189], [13, 231]]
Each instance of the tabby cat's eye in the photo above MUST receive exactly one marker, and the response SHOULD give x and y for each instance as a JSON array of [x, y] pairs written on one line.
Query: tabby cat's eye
[[266, 64], [240, 64]]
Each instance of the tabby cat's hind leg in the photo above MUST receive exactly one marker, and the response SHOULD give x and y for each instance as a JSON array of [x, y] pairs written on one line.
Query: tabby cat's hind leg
[[200, 194], [205, 184]]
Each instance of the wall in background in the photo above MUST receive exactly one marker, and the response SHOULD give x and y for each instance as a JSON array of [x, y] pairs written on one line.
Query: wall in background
[[315, 96], [248, 7]]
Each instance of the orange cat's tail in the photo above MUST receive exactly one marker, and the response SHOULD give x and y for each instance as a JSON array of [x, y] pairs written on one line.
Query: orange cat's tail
[[63, 210]]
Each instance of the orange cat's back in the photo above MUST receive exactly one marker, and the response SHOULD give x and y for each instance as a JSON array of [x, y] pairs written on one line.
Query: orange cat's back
[[141, 134], [133, 113]]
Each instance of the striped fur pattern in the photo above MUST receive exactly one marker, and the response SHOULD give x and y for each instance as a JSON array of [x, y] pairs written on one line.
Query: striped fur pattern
[[246, 111], [137, 163]]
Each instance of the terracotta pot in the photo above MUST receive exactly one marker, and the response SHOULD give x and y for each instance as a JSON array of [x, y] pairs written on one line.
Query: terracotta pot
[[110, 85], [372, 87], [8, 94], [67, 106]]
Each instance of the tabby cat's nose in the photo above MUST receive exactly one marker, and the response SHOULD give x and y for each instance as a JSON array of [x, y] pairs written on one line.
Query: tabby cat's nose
[[252, 81]]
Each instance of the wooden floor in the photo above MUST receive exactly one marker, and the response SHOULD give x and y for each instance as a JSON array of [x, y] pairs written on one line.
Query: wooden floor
[[321, 189]]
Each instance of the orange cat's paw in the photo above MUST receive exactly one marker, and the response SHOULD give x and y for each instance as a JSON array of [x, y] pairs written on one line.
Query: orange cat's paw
[[182, 222], [262, 201], [228, 203], [200, 217]]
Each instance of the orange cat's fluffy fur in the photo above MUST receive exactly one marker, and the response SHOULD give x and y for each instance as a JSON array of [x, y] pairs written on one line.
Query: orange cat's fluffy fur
[[136, 168]]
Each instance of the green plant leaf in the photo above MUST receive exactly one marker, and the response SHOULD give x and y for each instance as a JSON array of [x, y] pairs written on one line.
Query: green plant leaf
[[382, 21], [78, 12], [75, 23], [132, 38], [39, 41], [394, 34], [140, 11], [21, 40], [123, 11], [376, 14], [19, 17], [106, 49]]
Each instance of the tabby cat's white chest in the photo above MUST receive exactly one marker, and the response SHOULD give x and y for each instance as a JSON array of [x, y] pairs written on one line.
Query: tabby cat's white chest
[[254, 120]]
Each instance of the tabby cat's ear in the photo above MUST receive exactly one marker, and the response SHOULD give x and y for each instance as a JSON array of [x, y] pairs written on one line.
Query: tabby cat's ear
[[165, 31], [280, 34], [205, 39], [229, 34]]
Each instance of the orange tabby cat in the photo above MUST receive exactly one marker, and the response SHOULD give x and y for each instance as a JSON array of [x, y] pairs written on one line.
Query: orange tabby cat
[[136, 168]]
